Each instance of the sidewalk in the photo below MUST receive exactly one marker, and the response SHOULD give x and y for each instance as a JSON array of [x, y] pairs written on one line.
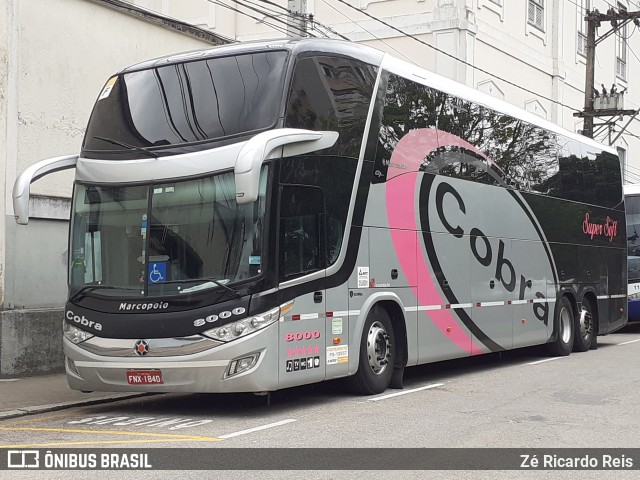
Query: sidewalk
[[31, 395]]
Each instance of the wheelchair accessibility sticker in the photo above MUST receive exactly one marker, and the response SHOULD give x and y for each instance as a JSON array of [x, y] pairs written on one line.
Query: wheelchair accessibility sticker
[[157, 272]]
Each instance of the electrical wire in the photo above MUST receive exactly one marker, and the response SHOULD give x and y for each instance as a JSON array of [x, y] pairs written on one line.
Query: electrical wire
[[370, 33], [291, 20], [229, 7], [629, 46], [275, 5], [413, 37], [271, 13], [261, 20], [285, 11], [290, 15]]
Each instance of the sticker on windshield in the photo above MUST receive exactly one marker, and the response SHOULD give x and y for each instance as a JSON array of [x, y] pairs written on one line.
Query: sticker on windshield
[[254, 260], [157, 272], [107, 88]]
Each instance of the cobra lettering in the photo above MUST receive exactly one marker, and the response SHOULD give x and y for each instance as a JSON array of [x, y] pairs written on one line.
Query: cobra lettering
[[72, 317], [290, 337], [504, 269]]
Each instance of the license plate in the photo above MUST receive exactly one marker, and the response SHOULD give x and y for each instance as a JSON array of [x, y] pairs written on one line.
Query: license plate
[[144, 377]]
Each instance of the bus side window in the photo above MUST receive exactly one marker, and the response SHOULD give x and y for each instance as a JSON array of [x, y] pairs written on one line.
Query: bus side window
[[302, 231]]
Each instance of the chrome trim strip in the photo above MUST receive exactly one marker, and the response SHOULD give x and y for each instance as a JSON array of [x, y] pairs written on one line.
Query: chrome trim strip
[[152, 365], [158, 347]]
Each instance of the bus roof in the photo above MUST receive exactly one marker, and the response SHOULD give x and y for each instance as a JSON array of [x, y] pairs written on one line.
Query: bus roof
[[374, 57], [326, 46]]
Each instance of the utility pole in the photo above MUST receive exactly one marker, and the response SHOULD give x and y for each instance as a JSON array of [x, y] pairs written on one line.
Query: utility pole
[[587, 129], [610, 104], [297, 24]]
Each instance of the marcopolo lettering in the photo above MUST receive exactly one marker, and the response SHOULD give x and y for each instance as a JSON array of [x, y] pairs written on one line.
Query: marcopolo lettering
[[481, 249], [143, 306], [82, 320]]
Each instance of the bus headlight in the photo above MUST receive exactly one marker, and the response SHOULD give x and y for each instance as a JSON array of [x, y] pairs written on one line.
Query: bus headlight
[[74, 334], [241, 328]]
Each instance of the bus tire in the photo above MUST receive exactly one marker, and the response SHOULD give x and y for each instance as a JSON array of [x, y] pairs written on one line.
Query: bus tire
[[585, 329], [564, 325], [377, 354]]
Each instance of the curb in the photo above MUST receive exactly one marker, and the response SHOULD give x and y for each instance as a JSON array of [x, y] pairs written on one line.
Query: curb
[[52, 407]]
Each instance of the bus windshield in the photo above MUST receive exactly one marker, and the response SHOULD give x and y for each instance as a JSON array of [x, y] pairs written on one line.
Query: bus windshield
[[186, 103], [164, 239]]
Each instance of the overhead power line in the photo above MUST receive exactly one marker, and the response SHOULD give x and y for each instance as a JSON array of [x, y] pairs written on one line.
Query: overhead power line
[[262, 20], [439, 50]]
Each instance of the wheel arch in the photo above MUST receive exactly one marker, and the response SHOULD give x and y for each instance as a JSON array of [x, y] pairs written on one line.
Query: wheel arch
[[392, 304], [590, 296], [571, 296]]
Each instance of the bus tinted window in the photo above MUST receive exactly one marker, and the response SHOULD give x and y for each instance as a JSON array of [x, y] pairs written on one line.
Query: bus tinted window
[[410, 106], [612, 179], [572, 169], [301, 231], [632, 206], [524, 153], [330, 93], [482, 145], [188, 102], [590, 175], [473, 142]]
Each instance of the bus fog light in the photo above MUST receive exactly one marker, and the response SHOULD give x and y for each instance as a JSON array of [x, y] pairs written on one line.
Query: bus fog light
[[240, 365], [74, 334], [71, 365]]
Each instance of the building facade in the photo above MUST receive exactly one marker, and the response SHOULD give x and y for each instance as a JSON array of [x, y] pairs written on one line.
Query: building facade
[[55, 56], [531, 53]]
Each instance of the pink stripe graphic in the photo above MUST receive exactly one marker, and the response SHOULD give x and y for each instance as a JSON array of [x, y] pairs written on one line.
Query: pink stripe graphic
[[401, 213]]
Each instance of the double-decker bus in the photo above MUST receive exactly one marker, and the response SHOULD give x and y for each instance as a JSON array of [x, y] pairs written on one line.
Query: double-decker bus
[[259, 216], [632, 205]]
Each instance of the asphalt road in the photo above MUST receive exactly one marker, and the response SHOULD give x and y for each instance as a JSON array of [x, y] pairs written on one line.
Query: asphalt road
[[520, 399]]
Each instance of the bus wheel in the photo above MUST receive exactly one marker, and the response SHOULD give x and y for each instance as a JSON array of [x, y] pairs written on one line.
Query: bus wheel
[[564, 324], [585, 328], [377, 354]]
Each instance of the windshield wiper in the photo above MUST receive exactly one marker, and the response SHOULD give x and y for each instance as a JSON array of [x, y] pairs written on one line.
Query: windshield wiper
[[207, 283], [91, 288], [126, 145]]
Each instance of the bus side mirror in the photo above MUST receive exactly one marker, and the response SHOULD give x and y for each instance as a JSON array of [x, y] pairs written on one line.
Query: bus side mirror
[[293, 141], [21, 188]]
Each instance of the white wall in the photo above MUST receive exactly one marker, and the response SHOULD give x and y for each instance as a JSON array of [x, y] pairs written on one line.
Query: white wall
[[55, 56]]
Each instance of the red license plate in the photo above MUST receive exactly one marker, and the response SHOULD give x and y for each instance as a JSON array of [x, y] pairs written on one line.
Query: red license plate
[[144, 377]]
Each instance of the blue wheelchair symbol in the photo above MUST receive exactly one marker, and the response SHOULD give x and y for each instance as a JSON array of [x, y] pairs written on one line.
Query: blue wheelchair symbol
[[157, 272]]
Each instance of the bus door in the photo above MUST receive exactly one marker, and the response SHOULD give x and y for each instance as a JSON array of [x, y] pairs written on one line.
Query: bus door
[[302, 264]]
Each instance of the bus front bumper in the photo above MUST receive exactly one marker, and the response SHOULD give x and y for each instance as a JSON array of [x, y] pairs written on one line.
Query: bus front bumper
[[248, 364]]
